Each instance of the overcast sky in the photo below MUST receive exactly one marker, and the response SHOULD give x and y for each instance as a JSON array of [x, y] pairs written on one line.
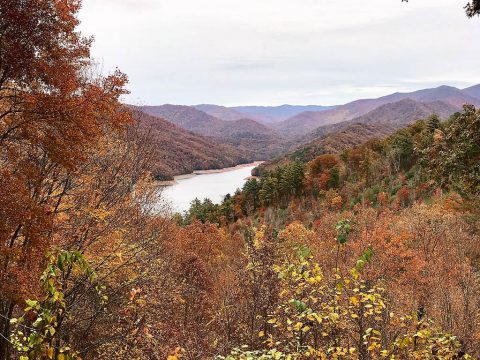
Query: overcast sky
[[271, 52]]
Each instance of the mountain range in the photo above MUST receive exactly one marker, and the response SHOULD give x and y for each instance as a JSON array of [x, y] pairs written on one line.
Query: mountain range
[[305, 122], [394, 115], [248, 135], [274, 114], [262, 114], [217, 135]]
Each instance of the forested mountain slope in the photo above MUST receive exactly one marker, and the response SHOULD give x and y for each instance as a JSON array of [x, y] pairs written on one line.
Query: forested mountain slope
[[370, 225], [257, 139], [394, 115], [333, 142], [187, 117], [247, 135], [379, 123], [307, 121], [178, 151]]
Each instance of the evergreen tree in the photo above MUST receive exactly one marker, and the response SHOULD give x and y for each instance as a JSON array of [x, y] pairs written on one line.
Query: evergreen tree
[[433, 123]]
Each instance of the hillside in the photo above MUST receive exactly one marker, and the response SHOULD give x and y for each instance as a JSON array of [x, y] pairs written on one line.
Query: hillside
[[394, 115], [187, 117], [473, 91], [335, 142], [379, 122], [246, 135], [275, 114], [305, 122], [247, 128], [220, 112], [180, 152], [254, 137], [398, 213], [361, 244]]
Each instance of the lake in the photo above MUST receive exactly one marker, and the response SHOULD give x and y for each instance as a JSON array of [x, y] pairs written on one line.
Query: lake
[[212, 185]]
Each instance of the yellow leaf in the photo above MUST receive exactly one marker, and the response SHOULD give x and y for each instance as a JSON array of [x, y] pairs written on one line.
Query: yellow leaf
[[354, 300], [298, 326]]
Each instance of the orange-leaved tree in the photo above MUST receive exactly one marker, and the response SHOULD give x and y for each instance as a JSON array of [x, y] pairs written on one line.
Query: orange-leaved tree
[[52, 110]]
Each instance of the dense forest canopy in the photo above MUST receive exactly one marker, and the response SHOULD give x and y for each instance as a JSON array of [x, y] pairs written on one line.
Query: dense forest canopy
[[368, 252]]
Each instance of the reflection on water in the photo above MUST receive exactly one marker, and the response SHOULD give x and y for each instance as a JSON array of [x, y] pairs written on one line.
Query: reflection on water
[[213, 186]]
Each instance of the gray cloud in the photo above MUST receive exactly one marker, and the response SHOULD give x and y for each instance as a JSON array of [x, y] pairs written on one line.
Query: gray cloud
[[282, 51]]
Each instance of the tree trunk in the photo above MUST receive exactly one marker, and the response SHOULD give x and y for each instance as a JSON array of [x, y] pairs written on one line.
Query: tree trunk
[[6, 314]]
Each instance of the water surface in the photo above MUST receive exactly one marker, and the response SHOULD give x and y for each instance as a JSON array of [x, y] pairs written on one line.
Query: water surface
[[212, 185]]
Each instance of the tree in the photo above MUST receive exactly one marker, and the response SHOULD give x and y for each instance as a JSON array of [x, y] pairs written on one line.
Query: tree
[[344, 318], [455, 158], [203, 211], [269, 191], [53, 111], [322, 163], [433, 123], [403, 150], [34, 336], [472, 8], [251, 191]]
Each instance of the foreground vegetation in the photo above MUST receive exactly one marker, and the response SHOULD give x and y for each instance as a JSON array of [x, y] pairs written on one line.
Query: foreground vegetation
[[405, 210], [369, 254]]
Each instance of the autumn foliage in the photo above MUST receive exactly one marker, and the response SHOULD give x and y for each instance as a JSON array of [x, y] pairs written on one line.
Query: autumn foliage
[[371, 253]]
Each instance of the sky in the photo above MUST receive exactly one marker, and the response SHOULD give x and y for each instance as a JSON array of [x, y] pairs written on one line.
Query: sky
[[273, 52]]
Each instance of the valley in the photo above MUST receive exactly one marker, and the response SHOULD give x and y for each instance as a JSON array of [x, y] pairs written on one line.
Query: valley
[[226, 136], [268, 180]]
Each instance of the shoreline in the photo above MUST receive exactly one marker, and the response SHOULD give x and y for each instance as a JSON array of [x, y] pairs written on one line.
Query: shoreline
[[206, 172], [217, 171]]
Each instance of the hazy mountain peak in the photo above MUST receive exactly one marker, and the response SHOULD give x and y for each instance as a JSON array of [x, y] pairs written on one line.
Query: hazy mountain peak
[[473, 91], [305, 122]]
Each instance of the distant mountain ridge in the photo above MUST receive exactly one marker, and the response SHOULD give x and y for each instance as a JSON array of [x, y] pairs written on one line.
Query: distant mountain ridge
[[264, 114], [473, 91], [305, 122], [221, 112], [274, 114], [395, 115]]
